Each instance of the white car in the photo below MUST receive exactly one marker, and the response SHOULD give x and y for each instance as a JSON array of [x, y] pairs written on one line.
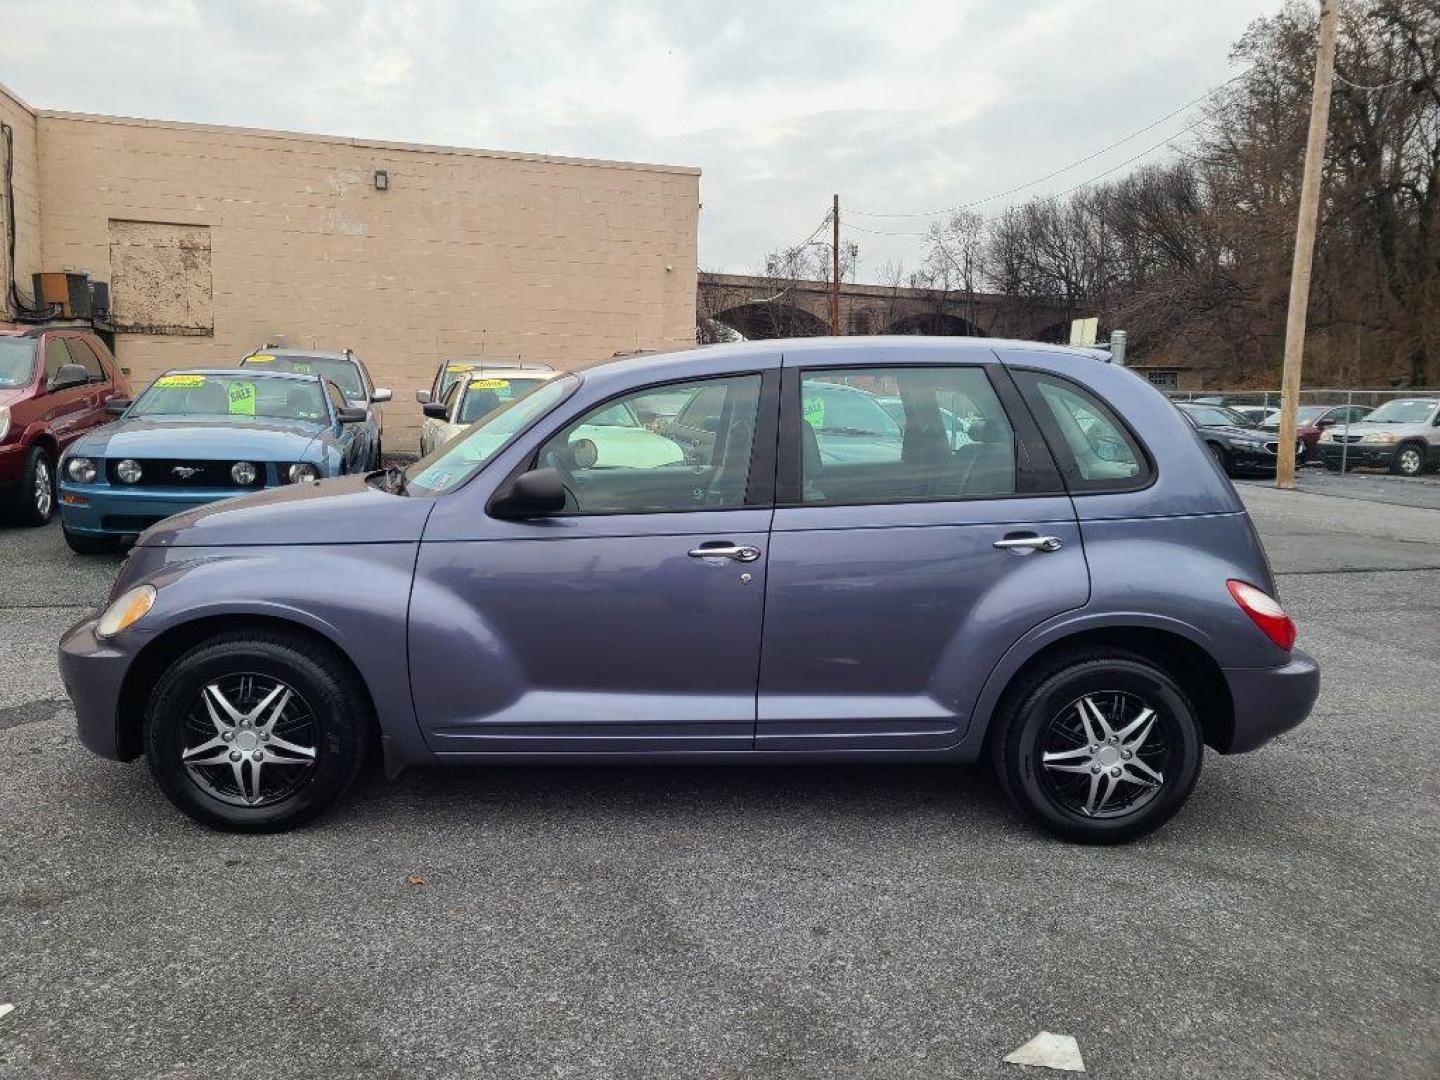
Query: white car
[[470, 396], [618, 437]]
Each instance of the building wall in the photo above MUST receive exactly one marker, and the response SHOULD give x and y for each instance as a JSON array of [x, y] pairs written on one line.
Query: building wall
[[218, 240], [26, 181]]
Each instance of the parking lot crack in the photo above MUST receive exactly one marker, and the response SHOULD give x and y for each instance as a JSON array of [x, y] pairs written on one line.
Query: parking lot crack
[[32, 712]]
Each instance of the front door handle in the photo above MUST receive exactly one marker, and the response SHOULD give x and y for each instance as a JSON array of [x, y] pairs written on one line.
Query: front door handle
[[1030, 543], [738, 552]]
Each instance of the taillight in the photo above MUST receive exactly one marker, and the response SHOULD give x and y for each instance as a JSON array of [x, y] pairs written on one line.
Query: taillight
[[1265, 611]]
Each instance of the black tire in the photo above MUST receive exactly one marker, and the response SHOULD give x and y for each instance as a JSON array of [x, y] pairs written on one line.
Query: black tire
[[329, 695], [1409, 459], [1040, 708], [1332, 466], [35, 497], [1221, 457], [84, 544]]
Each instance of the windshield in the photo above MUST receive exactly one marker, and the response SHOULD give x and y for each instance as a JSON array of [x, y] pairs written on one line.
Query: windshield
[[235, 396], [1214, 416], [484, 396], [17, 361], [1405, 411], [343, 373], [461, 457]]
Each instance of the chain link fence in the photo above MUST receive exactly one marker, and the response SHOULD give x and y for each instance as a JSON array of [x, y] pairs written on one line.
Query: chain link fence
[[1341, 407]]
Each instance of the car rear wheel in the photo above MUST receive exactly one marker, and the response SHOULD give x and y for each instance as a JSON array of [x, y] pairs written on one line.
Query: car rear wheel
[[35, 504], [85, 544], [254, 732], [1101, 749], [1409, 460]]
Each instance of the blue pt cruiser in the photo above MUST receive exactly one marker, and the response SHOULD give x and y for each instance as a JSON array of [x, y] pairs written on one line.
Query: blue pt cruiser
[[198, 436], [1073, 592]]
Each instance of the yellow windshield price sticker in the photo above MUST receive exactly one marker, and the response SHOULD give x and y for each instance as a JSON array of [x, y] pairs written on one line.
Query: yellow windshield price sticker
[[182, 381], [814, 412], [260, 358], [459, 369], [489, 384], [241, 396]]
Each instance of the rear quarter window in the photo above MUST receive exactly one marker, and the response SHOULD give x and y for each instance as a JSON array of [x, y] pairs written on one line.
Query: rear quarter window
[[1096, 450]]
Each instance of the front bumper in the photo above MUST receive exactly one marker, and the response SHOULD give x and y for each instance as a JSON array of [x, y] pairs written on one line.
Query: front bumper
[[1270, 701], [113, 511], [94, 672], [1364, 455], [12, 464]]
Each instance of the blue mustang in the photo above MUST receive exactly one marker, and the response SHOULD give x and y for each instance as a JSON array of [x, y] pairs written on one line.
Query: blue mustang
[[197, 436]]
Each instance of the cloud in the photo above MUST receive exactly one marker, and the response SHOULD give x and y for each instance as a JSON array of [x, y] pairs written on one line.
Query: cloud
[[898, 106]]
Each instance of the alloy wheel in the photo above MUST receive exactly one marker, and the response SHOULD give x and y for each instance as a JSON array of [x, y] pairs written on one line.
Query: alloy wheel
[[1410, 461], [1104, 755], [44, 488], [249, 740]]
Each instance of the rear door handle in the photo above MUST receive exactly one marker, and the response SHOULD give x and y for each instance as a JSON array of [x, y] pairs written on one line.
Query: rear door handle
[[1030, 543], [738, 552]]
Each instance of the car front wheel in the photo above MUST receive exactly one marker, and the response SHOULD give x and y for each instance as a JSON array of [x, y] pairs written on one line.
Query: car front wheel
[[1409, 460], [35, 503], [1103, 749], [256, 732], [1221, 457]]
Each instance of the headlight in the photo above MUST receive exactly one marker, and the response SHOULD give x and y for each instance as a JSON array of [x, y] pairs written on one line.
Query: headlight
[[1327, 436], [128, 470], [4, 421], [302, 472], [1380, 437], [243, 473], [129, 608], [81, 470]]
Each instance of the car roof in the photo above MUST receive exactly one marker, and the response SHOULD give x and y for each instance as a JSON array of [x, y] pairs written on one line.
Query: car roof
[[509, 365], [308, 354], [248, 373]]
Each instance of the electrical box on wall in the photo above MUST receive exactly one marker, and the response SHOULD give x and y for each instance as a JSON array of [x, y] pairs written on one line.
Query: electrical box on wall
[[69, 292]]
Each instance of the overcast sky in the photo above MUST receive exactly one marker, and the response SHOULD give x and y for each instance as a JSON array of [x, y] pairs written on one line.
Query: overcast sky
[[897, 106]]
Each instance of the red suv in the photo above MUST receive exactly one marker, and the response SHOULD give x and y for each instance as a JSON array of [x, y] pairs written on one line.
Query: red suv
[[54, 385]]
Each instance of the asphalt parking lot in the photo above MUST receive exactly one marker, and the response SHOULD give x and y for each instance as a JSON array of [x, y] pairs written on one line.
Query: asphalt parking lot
[[758, 922]]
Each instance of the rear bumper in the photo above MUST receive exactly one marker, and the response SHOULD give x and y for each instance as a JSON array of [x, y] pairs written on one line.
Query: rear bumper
[[111, 511], [1270, 701], [93, 672]]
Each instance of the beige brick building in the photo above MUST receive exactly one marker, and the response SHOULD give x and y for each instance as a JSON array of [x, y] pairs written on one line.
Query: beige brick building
[[216, 240]]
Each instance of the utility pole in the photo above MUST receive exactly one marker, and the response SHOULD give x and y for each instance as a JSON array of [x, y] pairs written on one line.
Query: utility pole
[[835, 269], [1305, 243]]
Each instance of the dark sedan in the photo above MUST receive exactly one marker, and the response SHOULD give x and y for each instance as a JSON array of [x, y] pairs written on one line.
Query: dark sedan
[[1239, 448]]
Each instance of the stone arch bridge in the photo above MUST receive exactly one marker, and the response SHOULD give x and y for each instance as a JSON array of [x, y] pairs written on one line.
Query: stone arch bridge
[[762, 307]]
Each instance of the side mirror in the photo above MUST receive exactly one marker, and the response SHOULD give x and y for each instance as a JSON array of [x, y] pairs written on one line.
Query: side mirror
[[434, 409], [69, 375], [422, 396], [381, 394], [536, 493], [350, 415], [1325, 422], [117, 405]]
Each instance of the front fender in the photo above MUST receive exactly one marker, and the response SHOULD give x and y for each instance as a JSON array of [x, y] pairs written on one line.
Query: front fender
[[355, 595]]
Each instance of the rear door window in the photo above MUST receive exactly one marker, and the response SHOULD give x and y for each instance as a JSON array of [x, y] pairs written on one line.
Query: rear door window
[[917, 434]]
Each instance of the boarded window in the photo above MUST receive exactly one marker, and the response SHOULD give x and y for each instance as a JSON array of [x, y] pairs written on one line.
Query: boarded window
[[160, 278]]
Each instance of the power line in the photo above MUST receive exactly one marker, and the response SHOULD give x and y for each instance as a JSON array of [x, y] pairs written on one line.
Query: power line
[[1059, 195], [1064, 168]]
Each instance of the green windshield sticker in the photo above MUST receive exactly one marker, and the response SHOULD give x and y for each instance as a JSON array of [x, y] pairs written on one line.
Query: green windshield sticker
[[814, 411], [242, 398]]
